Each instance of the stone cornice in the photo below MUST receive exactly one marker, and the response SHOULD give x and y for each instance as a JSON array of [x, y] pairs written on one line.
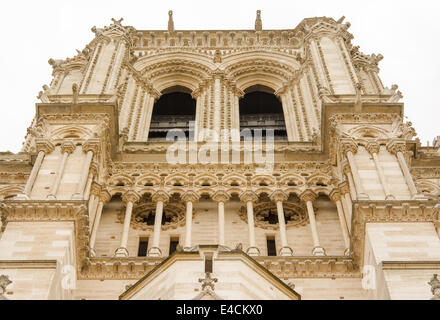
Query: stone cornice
[[387, 212]]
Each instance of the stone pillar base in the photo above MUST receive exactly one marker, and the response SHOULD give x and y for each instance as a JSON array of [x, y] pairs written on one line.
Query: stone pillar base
[[390, 197], [154, 252], [121, 252], [22, 196], [92, 253], [253, 251], [77, 196], [51, 197], [286, 252], [347, 252], [318, 252]]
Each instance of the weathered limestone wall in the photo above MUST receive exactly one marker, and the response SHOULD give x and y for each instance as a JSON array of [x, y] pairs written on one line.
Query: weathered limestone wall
[[41, 241], [100, 290], [29, 283], [49, 168], [330, 289], [370, 176], [400, 242]]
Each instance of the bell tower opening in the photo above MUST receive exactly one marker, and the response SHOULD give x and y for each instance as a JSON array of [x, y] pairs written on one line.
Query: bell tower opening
[[173, 111], [261, 109]]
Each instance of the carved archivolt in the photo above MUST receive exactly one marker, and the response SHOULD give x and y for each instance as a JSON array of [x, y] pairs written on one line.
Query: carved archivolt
[[368, 132]]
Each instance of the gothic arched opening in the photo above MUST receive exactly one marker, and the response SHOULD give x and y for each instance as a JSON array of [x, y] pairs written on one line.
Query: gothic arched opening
[[261, 109], [173, 111]]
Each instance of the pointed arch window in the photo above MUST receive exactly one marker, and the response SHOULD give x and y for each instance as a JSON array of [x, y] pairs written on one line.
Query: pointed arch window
[[260, 108], [173, 111]]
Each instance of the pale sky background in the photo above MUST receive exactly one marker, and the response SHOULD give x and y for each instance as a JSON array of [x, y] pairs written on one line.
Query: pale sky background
[[407, 33]]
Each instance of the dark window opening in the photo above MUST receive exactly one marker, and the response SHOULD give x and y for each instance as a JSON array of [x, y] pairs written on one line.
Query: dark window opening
[[271, 247], [272, 217], [143, 246], [208, 262], [260, 109], [174, 242], [149, 220], [172, 112]]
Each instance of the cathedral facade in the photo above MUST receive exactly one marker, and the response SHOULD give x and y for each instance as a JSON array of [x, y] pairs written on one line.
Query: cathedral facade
[[220, 164]]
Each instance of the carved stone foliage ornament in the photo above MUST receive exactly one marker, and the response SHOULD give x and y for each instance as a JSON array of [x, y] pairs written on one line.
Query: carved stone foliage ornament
[[435, 287], [4, 282]]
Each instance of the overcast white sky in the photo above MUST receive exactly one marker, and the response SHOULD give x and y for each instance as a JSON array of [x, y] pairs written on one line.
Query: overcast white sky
[[405, 32]]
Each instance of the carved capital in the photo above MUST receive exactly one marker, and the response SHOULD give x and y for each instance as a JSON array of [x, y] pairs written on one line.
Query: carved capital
[[131, 196], [278, 195], [67, 147], [344, 187], [346, 168], [220, 196], [335, 195], [94, 169], [372, 147], [308, 195], [91, 145], [160, 196], [105, 196], [44, 145], [396, 145], [95, 189], [349, 145], [190, 196], [248, 195]]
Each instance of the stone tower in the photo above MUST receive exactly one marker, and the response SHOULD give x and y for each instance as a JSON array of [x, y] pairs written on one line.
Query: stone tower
[[143, 166]]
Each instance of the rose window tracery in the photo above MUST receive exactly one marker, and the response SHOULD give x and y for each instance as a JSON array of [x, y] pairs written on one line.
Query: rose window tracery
[[143, 216], [266, 215]]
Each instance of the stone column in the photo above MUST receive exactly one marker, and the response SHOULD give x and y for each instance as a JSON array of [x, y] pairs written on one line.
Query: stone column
[[189, 197], [91, 148], [95, 191], [349, 147], [398, 147], [373, 148], [335, 196], [309, 197], [347, 171], [249, 197], [346, 202], [279, 197], [44, 146], [66, 148], [93, 173], [130, 198], [160, 197], [221, 197], [103, 198]]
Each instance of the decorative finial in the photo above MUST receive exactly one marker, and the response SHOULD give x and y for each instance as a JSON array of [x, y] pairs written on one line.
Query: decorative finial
[[4, 282], [258, 22], [75, 93], [170, 21], [118, 22], [208, 282], [435, 287]]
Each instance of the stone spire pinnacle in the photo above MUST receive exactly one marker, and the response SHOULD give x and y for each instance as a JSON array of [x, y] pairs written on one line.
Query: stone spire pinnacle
[[258, 22], [170, 21]]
